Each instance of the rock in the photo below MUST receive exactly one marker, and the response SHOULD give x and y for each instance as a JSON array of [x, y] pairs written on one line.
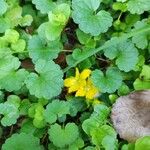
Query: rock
[[131, 115]]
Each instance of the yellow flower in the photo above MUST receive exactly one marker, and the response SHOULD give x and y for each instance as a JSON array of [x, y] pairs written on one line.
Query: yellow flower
[[75, 83], [91, 90], [81, 84], [88, 90]]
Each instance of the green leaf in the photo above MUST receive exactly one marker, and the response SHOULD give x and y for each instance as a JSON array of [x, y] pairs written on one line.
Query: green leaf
[[36, 111], [119, 26], [52, 147], [108, 82], [121, 1], [55, 110], [4, 24], [15, 80], [57, 21], [44, 5], [19, 46], [10, 110], [14, 99], [10, 113], [120, 6], [60, 15], [87, 63], [3, 7], [77, 104], [99, 135], [123, 90], [138, 6], [125, 53], [141, 40], [89, 148], [97, 119], [130, 146], [8, 63], [1, 96], [85, 39], [84, 13], [22, 141], [52, 31], [62, 137], [143, 143], [26, 21], [8, 72], [40, 49], [70, 60], [145, 73], [3, 45], [11, 36], [77, 53], [11, 3], [90, 124], [28, 128], [48, 83], [24, 106], [141, 84], [131, 19], [101, 111], [78, 144], [141, 62], [13, 16], [109, 143]]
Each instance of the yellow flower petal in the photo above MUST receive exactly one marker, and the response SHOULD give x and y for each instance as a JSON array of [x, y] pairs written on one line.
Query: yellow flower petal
[[85, 73], [90, 94], [73, 88], [77, 74], [82, 83], [69, 82], [81, 92], [92, 91]]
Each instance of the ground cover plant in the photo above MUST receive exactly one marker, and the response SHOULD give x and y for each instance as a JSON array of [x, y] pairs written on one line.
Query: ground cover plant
[[63, 64]]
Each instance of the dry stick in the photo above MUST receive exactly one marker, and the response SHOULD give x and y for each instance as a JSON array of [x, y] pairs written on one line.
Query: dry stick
[[11, 130], [101, 59], [45, 135]]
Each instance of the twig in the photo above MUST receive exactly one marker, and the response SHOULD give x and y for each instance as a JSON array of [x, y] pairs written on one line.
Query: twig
[[101, 59], [11, 130]]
